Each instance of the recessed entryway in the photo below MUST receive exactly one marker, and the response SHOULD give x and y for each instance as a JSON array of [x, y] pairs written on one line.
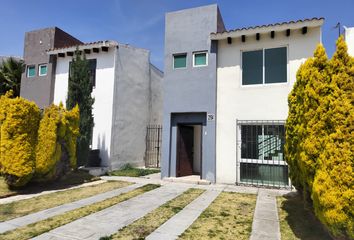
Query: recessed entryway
[[189, 149]]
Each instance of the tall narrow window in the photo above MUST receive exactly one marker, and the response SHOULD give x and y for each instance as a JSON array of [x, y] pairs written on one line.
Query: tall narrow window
[[31, 71], [180, 61], [42, 70], [200, 59], [252, 67], [275, 65], [92, 71]]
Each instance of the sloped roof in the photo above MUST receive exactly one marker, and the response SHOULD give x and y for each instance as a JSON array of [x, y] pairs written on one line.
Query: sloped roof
[[102, 43], [308, 22]]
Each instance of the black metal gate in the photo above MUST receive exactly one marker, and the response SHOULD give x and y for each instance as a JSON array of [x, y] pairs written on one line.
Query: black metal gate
[[153, 146]]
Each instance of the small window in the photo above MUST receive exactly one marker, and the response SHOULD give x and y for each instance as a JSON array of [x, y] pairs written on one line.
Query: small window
[[31, 71], [43, 69], [275, 65], [200, 59], [180, 61]]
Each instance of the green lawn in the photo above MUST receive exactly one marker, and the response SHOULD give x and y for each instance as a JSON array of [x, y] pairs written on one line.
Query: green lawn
[[297, 222], [71, 179], [130, 171], [229, 216]]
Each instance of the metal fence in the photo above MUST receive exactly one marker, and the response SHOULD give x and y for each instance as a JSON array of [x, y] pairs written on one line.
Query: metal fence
[[260, 153], [153, 146]]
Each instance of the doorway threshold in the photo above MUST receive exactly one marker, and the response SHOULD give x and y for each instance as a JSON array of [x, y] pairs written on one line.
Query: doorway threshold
[[192, 179]]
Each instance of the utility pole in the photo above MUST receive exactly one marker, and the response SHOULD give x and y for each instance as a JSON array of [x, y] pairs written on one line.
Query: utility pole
[[338, 26]]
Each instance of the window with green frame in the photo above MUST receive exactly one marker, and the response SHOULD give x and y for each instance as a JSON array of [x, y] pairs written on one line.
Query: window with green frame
[[200, 59], [180, 61], [31, 71]]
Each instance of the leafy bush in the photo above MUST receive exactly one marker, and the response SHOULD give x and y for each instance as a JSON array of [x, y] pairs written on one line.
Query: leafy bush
[[56, 148], [19, 120], [320, 137]]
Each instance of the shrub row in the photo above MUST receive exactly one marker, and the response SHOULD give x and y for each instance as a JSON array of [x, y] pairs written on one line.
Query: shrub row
[[33, 146], [320, 137]]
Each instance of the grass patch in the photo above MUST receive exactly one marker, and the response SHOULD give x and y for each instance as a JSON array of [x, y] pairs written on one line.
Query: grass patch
[[297, 222], [142, 227], [48, 224], [24, 207], [130, 171], [229, 216], [71, 179]]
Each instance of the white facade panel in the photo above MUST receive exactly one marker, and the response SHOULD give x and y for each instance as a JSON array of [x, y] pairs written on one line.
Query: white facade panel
[[253, 102], [349, 38], [102, 93]]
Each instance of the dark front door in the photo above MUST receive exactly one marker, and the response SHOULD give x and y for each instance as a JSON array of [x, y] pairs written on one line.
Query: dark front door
[[185, 150]]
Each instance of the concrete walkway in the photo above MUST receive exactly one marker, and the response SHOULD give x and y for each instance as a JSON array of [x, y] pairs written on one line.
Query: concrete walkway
[[265, 224], [110, 220], [47, 213], [176, 225], [26, 196]]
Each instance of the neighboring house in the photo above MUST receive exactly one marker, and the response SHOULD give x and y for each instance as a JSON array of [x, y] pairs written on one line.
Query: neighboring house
[[349, 38], [126, 89], [225, 95], [37, 82]]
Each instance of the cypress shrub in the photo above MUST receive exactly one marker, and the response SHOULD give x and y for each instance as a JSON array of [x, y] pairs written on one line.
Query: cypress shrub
[[19, 119], [56, 148], [320, 138]]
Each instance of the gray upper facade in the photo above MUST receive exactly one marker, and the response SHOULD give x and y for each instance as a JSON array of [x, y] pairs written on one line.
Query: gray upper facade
[[40, 89], [190, 92]]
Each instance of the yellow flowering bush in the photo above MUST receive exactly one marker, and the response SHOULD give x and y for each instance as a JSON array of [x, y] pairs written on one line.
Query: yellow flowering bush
[[320, 138], [56, 148], [19, 120]]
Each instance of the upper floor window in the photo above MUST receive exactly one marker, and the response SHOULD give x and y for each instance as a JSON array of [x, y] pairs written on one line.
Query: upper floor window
[[180, 61], [200, 59], [31, 71], [264, 66], [42, 70], [92, 64]]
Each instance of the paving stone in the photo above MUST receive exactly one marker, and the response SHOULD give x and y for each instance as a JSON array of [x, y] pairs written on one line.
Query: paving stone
[[265, 221], [176, 225], [47, 213], [110, 220]]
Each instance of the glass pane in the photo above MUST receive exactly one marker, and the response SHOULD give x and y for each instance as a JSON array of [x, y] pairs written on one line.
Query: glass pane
[[274, 140], [31, 71], [252, 67], [264, 174], [180, 61], [43, 70], [199, 59], [251, 138], [275, 65], [92, 71]]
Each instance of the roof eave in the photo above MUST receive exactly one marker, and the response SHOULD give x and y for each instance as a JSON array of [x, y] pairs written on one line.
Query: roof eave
[[266, 29], [82, 47]]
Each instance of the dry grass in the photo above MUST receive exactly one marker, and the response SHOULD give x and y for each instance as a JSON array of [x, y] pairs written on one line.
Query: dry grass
[[228, 217], [142, 227], [48, 224], [297, 222], [24, 207], [71, 179]]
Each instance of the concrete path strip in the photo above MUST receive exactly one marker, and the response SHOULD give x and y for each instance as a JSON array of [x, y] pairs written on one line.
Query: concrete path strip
[[27, 196], [176, 225], [47, 213], [265, 224], [110, 220]]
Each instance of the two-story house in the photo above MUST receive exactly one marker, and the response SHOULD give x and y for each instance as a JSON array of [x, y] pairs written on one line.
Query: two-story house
[[226, 94]]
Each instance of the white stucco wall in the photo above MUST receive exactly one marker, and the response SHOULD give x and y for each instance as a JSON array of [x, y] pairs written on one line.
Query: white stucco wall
[[103, 94], [349, 38], [262, 102]]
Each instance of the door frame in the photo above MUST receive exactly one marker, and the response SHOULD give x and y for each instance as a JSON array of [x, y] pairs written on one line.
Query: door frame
[[201, 145]]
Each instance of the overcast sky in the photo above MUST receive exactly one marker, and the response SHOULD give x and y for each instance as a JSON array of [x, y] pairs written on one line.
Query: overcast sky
[[141, 22]]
